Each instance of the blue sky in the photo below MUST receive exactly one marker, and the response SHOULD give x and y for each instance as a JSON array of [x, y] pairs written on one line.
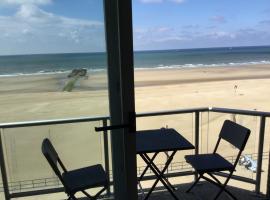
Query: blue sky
[[55, 26]]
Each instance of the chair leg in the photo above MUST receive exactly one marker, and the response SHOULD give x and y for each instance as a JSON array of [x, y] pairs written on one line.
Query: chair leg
[[230, 194], [72, 197], [93, 197], [196, 181], [221, 186], [86, 194], [213, 177], [99, 193]]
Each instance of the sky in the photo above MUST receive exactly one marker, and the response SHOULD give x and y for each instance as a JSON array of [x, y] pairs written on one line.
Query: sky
[[67, 26]]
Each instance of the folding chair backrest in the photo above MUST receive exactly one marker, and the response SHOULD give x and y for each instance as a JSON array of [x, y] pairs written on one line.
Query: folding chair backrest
[[52, 157], [235, 134]]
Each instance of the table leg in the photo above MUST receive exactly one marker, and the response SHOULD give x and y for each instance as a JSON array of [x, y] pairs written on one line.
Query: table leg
[[147, 167], [162, 174], [159, 174], [143, 173]]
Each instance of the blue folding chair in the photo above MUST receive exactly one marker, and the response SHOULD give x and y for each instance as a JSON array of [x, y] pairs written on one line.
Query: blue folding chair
[[237, 136], [77, 180]]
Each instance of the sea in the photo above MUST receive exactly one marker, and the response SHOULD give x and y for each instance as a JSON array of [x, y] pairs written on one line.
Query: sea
[[16, 65]]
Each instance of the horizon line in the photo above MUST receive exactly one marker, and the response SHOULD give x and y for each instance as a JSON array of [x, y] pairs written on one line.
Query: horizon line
[[135, 51]]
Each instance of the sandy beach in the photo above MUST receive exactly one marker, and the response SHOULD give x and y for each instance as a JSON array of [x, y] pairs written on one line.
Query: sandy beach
[[24, 98]]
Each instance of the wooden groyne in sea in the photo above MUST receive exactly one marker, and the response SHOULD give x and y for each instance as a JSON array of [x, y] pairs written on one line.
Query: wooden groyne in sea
[[73, 77]]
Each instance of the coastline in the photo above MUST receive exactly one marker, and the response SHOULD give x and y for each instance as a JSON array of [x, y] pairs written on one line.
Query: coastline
[[41, 97], [54, 82], [146, 68], [200, 74]]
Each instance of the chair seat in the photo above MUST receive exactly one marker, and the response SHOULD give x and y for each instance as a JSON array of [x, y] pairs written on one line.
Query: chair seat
[[85, 178], [204, 163]]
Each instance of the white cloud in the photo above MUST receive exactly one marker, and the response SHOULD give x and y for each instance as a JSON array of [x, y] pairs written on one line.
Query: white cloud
[[264, 22], [178, 1], [151, 1], [163, 29], [162, 1], [171, 38], [36, 30], [23, 2], [145, 38], [26, 31], [221, 34], [33, 15], [218, 18], [195, 37]]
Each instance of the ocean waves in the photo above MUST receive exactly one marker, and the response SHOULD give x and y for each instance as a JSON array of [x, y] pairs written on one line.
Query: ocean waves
[[42, 64], [156, 67], [182, 66], [47, 72]]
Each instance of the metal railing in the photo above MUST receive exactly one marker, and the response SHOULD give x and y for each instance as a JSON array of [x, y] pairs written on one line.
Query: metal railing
[[7, 187], [185, 170]]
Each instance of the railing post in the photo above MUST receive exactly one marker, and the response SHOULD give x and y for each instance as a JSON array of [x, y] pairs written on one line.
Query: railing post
[[268, 178], [3, 168], [197, 136], [106, 155], [260, 154]]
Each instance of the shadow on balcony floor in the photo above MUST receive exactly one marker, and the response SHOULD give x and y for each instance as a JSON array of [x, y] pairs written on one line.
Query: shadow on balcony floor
[[204, 191]]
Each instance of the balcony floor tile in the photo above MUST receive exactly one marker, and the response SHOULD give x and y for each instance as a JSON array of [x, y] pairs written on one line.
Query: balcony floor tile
[[205, 191]]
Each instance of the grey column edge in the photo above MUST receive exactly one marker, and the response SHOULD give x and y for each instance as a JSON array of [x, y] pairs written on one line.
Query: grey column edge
[[106, 155], [118, 23], [3, 169], [260, 154], [197, 136]]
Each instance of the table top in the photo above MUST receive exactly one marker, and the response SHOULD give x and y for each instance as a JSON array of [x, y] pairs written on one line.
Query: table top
[[158, 140]]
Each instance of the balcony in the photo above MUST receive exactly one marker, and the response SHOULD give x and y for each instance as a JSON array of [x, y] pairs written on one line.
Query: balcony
[[203, 191], [25, 172]]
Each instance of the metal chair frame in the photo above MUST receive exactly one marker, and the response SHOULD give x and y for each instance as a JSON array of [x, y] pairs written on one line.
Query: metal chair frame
[[52, 157], [238, 145]]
